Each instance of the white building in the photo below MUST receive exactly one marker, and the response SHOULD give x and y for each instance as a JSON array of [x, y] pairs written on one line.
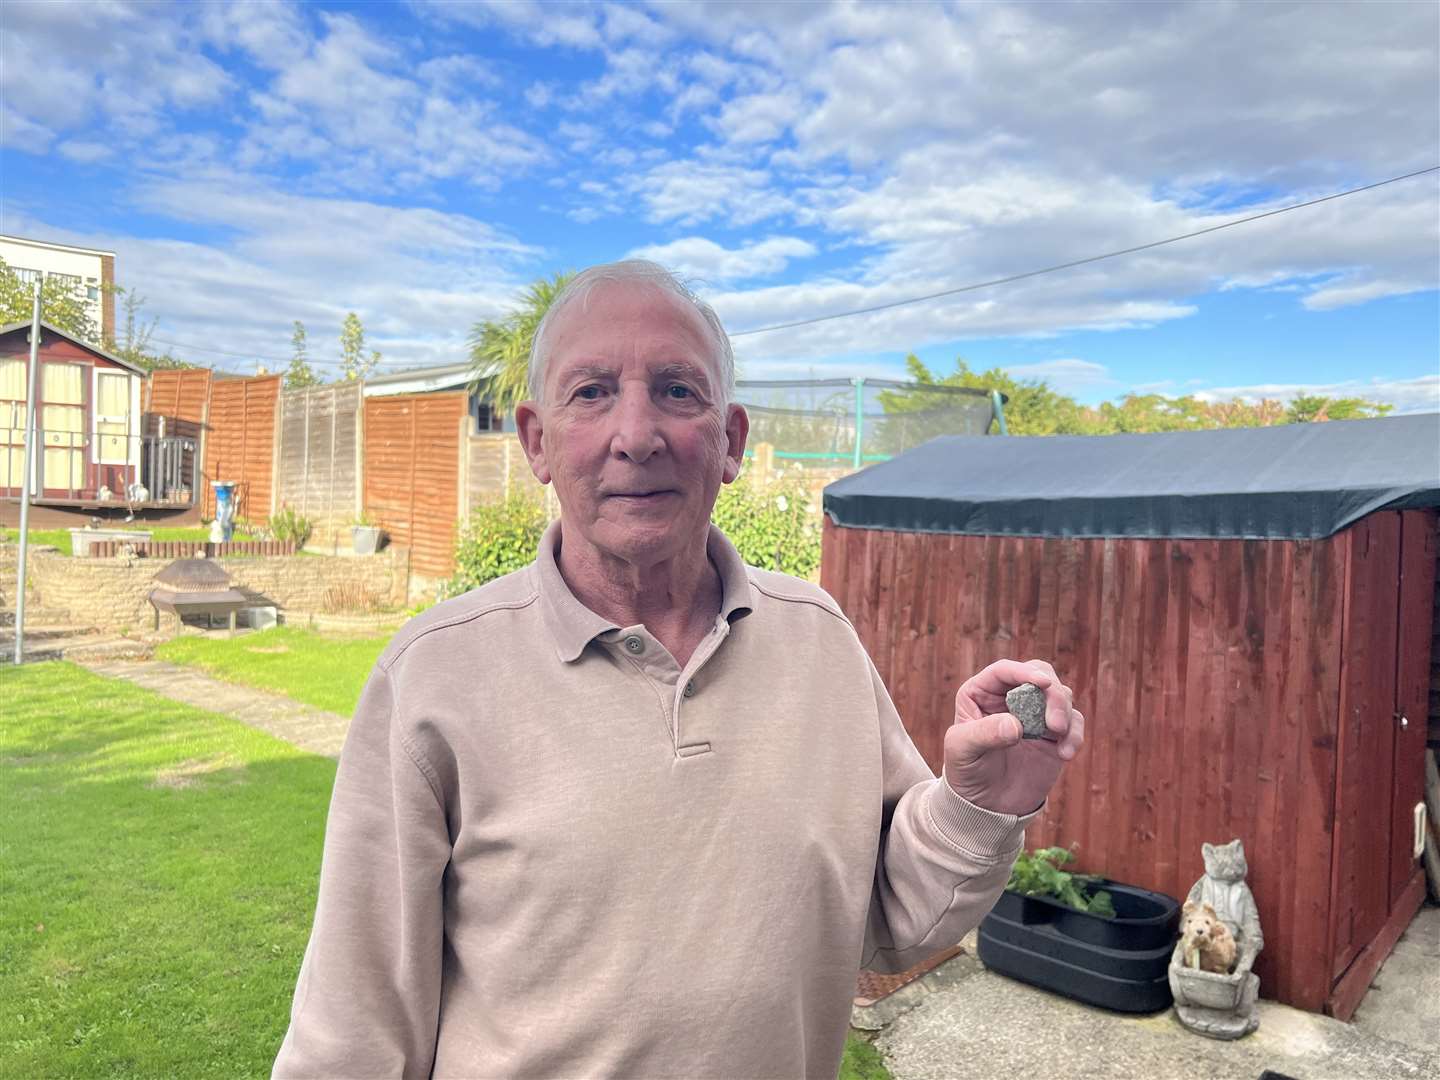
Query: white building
[[88, 268]]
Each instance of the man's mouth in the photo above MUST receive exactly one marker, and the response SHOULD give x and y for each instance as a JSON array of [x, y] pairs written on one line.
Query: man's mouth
[[639, 494]]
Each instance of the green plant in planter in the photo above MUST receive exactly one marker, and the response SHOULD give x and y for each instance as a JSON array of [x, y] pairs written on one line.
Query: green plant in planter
[[287, 524], [1038, 873], [363, 520]]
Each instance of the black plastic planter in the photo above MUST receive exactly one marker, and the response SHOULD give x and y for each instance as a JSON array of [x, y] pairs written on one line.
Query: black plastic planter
[[1121, 963]]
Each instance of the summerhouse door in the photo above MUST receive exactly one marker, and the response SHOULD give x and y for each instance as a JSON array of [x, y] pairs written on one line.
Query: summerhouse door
[[62, 426]]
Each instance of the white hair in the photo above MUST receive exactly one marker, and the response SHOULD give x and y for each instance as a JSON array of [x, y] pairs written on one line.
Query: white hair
[[627, 270]]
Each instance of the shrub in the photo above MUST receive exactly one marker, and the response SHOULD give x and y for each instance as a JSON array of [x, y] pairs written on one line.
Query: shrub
[[1038, 873], [501, 536], [771, 527], [286, 524]]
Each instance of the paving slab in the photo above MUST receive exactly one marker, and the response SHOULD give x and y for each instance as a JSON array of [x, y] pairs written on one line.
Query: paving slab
[[1403, 1002], [990, 1026], [305, 726]]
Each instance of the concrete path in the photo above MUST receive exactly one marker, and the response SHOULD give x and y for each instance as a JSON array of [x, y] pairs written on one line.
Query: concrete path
[[1403, 1003], [967, 1022], [304, 726]]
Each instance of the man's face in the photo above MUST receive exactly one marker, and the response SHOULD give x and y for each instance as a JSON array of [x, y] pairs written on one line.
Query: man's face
[[632, 433]]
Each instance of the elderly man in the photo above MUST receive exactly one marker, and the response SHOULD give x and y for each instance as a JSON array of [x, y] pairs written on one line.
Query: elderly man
[[641, 810]]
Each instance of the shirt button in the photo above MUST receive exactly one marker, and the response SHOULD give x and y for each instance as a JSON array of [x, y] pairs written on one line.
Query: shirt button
[[635, 645], [690, 689]]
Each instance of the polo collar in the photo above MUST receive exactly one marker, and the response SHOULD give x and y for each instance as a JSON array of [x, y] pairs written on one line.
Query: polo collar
[[572, 625]]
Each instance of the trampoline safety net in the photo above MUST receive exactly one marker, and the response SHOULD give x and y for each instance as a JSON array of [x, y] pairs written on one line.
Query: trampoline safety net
[[859, 421]]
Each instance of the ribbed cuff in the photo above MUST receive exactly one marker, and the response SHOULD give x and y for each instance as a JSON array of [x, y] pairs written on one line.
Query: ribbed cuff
[[983, 833]]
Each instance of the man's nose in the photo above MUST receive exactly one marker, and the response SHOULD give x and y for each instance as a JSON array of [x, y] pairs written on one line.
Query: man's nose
[[637, 426]]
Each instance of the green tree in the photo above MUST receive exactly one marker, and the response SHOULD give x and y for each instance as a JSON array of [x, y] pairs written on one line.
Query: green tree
[[1035, 408], [299, 375], [354, 364], [1305, 408], [63, 304], [500, 348]]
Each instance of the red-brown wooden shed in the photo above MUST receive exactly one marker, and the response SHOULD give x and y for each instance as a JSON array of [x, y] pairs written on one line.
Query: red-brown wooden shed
[[1245, 617]]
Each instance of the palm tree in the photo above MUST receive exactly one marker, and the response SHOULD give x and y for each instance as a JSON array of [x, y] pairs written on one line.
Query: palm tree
[[500, 349]]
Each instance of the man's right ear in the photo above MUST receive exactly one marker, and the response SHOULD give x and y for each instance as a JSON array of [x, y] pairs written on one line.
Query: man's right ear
[[530, 428]]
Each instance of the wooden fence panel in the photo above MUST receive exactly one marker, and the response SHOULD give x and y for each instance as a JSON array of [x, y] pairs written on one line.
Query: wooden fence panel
[[316, 462], [496, 467], [240, 443], [178, 394], [413, 458]]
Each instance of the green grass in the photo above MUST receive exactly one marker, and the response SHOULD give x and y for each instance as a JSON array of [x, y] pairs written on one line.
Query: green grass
[[327, 672], [862, 1061], [159, 868], [60, 538]]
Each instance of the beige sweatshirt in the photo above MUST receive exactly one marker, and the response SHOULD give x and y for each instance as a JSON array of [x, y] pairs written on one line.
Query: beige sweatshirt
[[553, 853]]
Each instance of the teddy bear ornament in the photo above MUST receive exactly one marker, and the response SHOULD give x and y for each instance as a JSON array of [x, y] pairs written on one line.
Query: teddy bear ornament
[[1215, 991]]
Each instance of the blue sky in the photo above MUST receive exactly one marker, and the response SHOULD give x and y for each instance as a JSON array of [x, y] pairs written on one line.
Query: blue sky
[[419, 163]]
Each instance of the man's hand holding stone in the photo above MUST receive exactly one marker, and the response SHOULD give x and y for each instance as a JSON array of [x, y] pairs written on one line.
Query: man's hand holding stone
[[986, 760]]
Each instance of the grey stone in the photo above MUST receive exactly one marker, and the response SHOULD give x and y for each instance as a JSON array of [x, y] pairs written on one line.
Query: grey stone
[[1027, 704]]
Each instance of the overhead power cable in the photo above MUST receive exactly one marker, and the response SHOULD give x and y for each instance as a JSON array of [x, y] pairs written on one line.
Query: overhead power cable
[[1078, 262]]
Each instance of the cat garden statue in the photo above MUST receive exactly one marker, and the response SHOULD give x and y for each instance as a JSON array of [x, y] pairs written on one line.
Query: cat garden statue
[[1210, 977]]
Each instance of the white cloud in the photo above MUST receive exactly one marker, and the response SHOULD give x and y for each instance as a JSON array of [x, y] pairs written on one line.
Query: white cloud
[[1334, 296], [758, 118], [419, 278], [21, 133], [690, 192], [698, 257], [64, 66], [352, 108], [85, 153], [1406, 395], [1069, 376]]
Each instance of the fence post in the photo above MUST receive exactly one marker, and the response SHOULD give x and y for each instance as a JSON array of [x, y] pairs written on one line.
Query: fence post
[[765, 463], [859, 420]]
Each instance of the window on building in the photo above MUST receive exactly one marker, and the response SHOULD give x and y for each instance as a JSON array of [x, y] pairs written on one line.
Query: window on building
[[112, 417], [486, 418], [92, 292], [69, 280], [26, 275]]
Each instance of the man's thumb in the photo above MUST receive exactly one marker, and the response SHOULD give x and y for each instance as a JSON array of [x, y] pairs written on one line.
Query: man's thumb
[[976, 738]]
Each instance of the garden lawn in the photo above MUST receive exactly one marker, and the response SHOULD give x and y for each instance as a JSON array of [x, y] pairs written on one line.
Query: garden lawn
[[159, 868], [327, 672], [60, 538]]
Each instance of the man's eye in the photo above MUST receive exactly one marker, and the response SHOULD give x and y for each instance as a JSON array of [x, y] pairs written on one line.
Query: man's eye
[[684, 392], [589, 393]]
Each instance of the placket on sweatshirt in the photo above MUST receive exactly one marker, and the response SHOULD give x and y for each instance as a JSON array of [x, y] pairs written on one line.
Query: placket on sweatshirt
[[651, 660]]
